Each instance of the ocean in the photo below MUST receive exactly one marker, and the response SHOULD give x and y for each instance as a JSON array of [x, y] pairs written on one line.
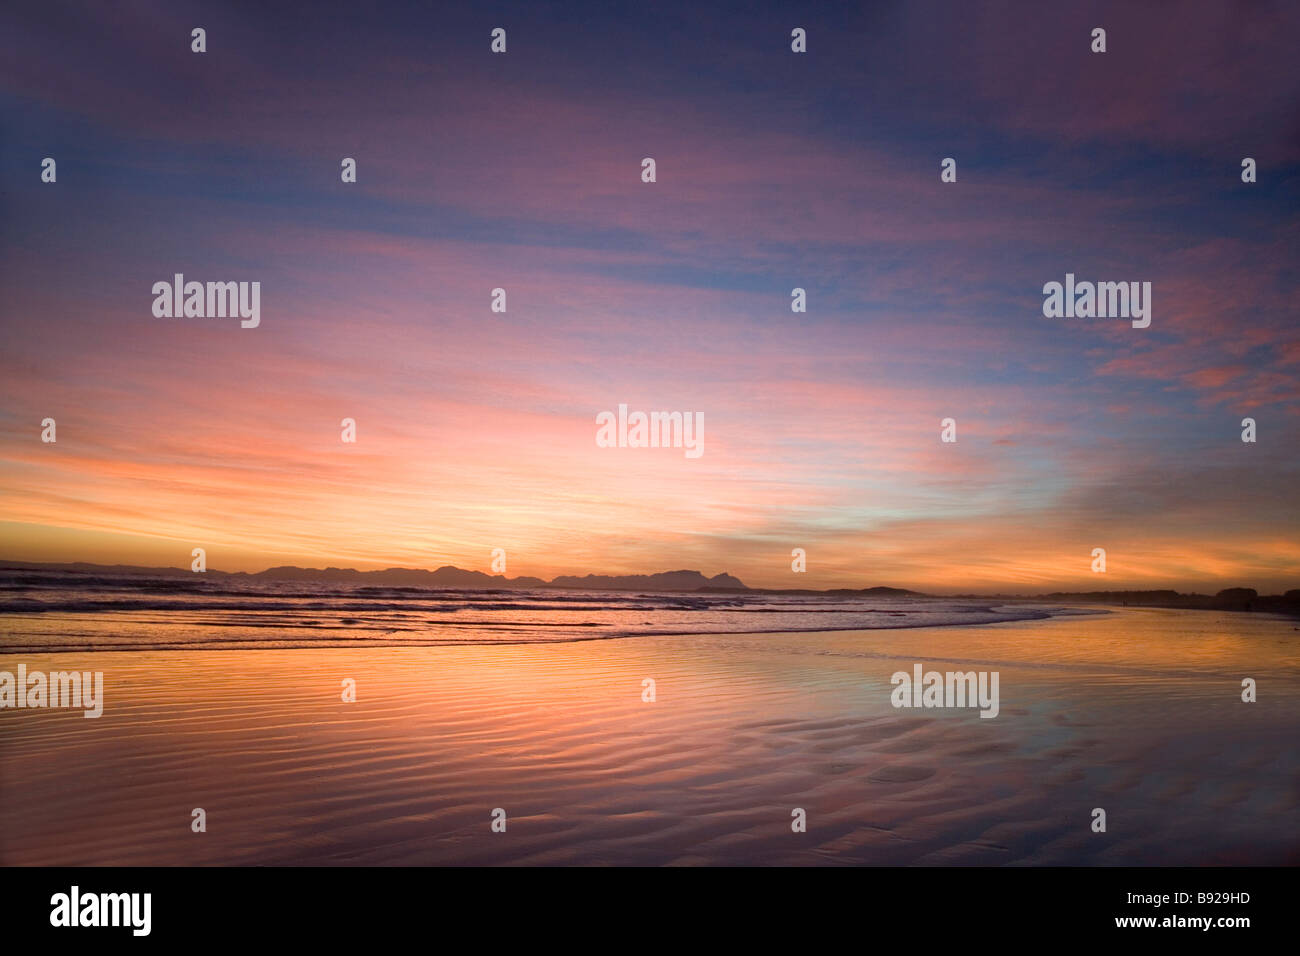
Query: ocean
[[47, 611]]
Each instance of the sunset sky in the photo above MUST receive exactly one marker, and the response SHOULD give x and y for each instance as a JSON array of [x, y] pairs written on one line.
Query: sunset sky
[[775, 170]]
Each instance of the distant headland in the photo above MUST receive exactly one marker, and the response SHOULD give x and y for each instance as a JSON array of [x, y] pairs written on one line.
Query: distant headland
[[448, 576]]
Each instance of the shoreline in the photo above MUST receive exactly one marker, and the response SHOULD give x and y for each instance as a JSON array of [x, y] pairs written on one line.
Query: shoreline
[[375, 643]]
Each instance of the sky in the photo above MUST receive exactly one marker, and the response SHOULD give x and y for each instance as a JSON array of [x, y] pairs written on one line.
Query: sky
[[775, 170]]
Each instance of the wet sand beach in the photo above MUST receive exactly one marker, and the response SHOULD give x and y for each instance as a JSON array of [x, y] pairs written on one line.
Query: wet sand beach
[[1137, 711]]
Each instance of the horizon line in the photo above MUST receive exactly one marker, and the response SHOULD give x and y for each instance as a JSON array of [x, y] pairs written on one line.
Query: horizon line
[[19, 564]]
